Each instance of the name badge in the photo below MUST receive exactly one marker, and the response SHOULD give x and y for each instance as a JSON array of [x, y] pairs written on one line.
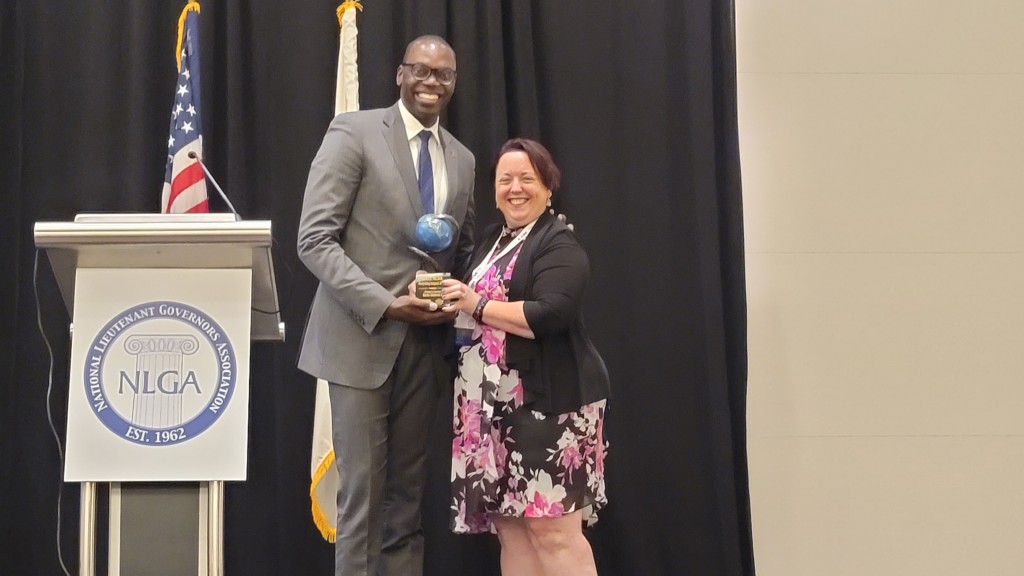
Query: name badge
[[464, 328]]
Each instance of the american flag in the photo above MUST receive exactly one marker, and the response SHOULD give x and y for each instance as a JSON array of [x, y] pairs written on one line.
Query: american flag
[[184, 184]]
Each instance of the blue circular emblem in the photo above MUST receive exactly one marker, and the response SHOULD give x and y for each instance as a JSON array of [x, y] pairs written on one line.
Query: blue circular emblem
[[160, 373]]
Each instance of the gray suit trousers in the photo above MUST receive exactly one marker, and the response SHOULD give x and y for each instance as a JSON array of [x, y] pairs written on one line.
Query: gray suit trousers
[[380, 445]]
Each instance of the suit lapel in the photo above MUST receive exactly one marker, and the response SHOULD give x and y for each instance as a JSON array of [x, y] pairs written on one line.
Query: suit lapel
[[452, 169], [394, 135]]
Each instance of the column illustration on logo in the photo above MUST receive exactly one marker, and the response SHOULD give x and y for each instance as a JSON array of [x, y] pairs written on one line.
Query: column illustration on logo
[[160, 378], [160, 373]]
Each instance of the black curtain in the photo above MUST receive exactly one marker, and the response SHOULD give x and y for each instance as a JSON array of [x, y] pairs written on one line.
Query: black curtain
[[637, 102]]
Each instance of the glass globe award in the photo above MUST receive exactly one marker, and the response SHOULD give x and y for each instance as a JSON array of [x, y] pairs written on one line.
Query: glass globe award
[[434, 233]]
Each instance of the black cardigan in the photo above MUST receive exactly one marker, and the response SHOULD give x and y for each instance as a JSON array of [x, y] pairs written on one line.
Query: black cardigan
[[560, 368]]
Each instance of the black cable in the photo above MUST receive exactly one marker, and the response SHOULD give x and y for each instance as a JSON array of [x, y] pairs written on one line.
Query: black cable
[[49, 412], [276, 249]]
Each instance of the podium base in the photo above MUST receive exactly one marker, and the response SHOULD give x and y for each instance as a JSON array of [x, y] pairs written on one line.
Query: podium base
[[156, 529]]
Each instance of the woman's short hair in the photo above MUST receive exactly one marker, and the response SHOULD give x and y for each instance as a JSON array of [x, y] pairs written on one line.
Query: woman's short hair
[[539, 156]]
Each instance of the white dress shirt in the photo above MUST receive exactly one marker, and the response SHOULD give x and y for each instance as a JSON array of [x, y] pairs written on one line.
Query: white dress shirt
[[413, 127]]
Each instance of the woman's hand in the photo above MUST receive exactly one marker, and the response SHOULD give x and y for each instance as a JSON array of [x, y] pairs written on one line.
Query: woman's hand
[[460, 295]]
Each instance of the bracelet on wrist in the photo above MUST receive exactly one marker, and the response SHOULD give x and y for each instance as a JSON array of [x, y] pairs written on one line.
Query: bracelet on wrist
[[478, 312]]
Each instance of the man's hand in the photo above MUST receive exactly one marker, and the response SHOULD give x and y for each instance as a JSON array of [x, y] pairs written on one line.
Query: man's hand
[[417, 311], [563, 219]]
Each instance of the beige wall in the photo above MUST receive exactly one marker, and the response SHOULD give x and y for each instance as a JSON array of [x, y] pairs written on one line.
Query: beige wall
[[882, 147]]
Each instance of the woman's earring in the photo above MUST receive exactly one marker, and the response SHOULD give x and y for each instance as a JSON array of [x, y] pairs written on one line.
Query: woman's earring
[[549, 201]]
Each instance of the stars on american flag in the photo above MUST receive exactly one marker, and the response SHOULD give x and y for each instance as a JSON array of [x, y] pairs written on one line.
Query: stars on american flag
[[180, 127], [183, 105], [178, 110]]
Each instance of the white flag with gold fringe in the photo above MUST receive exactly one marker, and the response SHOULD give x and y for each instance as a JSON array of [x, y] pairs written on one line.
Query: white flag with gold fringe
[[323, 487]]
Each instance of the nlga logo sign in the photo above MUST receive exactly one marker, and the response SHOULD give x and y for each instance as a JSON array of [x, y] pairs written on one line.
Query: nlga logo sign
[[160, 373]]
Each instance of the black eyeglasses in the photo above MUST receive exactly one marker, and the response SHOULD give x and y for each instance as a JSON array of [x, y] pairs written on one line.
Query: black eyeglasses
[[421, 72]]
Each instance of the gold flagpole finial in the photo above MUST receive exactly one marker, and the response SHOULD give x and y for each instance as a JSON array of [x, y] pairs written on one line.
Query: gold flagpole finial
[[347, 5], [192, 6]]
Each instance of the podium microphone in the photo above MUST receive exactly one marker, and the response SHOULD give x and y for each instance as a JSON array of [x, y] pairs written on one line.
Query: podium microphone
[[223, 196]]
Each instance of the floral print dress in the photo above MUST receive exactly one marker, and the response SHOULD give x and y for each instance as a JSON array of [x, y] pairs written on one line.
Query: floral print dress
[[510, 460]]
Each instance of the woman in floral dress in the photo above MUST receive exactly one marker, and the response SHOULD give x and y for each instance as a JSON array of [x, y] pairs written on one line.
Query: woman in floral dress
[[530, 395]]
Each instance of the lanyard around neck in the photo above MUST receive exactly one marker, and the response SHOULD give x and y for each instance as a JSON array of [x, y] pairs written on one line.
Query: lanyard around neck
[[489, 261]]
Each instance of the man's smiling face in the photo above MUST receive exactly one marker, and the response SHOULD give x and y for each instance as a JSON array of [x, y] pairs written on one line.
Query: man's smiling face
[[426, 99]]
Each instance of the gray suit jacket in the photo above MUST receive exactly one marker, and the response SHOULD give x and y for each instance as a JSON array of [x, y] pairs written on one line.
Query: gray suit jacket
[[358, 217]]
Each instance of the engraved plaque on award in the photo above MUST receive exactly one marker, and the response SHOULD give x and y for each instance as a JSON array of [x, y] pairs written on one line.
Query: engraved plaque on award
[[428, 286]]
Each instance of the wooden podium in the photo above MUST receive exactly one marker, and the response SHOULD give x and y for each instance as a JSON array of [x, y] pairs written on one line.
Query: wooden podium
[[163, 308]]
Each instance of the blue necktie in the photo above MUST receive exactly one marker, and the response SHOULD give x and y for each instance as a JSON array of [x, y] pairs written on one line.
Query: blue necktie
[[426, 175]]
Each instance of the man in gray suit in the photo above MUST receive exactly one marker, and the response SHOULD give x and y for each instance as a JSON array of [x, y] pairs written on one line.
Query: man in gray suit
[[381, 349]]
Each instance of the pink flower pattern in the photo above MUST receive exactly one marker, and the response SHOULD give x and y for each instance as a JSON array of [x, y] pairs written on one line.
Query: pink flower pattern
[[507, 459]]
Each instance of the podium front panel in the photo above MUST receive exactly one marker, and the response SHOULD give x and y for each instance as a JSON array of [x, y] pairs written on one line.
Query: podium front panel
[[159, 386]]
